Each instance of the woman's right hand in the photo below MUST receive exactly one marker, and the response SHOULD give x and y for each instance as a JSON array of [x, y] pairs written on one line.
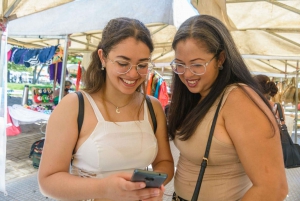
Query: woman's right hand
[[119, 187]]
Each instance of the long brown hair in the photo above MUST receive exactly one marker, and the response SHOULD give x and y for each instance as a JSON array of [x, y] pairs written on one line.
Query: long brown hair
[[185, 112], [115, 31]]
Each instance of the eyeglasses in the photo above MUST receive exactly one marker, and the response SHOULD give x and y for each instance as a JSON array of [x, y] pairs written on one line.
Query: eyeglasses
[[123, 67], [197, 69]]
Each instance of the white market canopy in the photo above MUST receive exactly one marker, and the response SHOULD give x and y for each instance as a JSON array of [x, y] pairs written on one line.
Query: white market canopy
[[267, 33]]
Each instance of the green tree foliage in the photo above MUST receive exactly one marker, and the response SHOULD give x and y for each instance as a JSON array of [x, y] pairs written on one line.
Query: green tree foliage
[[73, 59], [18, 68]]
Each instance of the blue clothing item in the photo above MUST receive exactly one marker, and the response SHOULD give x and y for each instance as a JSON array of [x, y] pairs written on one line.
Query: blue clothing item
[[159, 82], [46, 54], [31, 58], [43, 55], [17, 57], [52, 52]]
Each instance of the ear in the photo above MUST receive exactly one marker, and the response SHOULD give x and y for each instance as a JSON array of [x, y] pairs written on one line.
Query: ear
[[222, 58], [101, 56]]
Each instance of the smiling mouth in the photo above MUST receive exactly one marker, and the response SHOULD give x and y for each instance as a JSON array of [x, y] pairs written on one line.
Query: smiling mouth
[[129, 82], [192, 83]]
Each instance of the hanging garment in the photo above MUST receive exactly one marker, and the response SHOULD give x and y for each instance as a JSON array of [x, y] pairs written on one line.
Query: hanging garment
[[58, 56], [159, 82], [78, 78], [31, 57], [13, 51], [163, 96], [52, 68], [149, 84], [154, 82], [9, 54], [19, 56], [46, 54]]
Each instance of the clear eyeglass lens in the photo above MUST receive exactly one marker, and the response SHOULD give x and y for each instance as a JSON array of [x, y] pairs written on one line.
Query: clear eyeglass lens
[[123, 67], [195, 68]]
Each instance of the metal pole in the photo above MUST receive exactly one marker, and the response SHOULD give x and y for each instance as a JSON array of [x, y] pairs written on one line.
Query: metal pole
[[63, 69], [3, 104], [296, 106]]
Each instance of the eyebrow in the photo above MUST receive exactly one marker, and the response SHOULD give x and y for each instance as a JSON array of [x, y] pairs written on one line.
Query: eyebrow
[[190, 60], [126, 58]]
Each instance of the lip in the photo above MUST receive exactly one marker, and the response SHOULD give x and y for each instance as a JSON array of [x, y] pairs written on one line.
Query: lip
[[192, 82], [129, 84]]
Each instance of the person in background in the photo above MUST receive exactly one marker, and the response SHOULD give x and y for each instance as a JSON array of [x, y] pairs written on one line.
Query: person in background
[[245, 161], [67, 87], [269, 89], [117, 134]]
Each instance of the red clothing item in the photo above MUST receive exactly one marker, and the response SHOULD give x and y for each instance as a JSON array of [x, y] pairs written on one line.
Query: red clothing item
[[78, 78], [149, 84], [12, 130], [163, 94]]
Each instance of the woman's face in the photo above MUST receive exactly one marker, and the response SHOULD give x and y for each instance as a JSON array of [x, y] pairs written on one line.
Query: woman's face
[[128, 51], [190, 52]]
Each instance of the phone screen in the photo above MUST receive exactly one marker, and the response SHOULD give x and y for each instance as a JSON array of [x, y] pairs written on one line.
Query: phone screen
[[152, 179]]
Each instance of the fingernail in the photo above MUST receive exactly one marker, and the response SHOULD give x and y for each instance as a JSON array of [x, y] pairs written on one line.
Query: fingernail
[[142, 185]]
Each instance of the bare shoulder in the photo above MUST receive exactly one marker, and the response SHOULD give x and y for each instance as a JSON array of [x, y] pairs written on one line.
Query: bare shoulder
[[156, 104], [244, 103], [67, 105], [244, 96]]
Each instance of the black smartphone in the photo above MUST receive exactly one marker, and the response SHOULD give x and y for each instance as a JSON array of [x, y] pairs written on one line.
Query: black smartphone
[[152, 179]]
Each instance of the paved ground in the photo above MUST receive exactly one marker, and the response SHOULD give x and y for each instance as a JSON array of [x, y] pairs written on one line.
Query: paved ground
[[21, 177]]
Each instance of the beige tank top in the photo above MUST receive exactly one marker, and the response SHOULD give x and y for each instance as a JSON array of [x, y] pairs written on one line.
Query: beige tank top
[[224, 179]]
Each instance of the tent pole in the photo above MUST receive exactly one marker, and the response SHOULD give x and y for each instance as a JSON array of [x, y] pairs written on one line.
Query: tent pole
[[55, 76], [3, 104], [64, 67], [296, 106]]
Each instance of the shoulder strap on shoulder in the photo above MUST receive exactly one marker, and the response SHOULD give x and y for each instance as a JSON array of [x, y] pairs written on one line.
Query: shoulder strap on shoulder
[[151, 110], [80, 111], [279, 109]]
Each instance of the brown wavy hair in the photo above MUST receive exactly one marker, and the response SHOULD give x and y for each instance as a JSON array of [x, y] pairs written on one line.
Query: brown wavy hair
[[266, 86], [115, 31]]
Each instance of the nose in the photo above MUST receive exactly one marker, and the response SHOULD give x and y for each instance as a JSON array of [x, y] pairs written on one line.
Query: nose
[[133, 71], [188, 72]]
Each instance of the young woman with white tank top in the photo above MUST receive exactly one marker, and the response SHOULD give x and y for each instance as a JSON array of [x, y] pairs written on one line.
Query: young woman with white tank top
[[117, 133]]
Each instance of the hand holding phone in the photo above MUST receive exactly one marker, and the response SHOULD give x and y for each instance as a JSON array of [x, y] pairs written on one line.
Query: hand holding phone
[[152, 179]]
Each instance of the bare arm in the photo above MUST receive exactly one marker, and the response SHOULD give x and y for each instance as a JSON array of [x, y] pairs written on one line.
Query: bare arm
[[54, 178], [164, 160], [257, 144]]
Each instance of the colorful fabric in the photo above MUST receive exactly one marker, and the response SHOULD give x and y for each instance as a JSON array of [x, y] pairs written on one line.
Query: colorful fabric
[[55, 67], [78, 78], [159, 82], [154, 82], [163, 96], [149, 84], [58, 56]]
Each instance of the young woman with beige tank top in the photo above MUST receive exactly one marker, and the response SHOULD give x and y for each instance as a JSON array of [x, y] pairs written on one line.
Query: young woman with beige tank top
[[245, 160]]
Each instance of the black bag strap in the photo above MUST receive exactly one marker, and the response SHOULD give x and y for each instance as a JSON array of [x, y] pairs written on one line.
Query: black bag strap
[[153, 117], [80, 111], [205, 157], [80, 116], [279, 109]]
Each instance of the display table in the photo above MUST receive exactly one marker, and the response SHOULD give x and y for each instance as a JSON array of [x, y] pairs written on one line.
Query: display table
[[21, 115]]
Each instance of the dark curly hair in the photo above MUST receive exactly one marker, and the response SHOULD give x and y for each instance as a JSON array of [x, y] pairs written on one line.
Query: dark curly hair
[[267, 86]]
